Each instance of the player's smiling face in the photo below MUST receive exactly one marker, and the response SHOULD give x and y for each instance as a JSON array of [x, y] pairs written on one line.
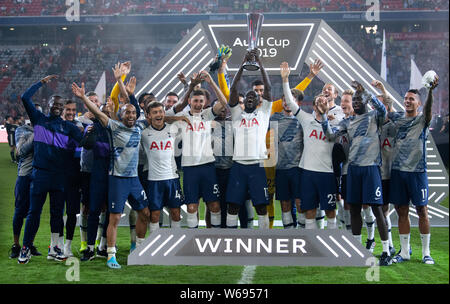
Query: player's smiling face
[[70, 111], [346, 104], [358, 105], [56, 106], [251, 101], [157, 117], [411, 102], [329, 91], [197, 103], [128, 115]]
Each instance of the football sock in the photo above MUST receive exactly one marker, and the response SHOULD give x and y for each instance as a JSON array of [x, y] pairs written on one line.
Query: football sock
[[192, 220], [288, 222], [111, 252], [132, 221], [301, 220], [385, 245], [347, 218], [175, 224], [404, 245], [310, 223], [389, 224], [320, 218], [250, 213], [100, 226], [369, 218], [357, 237], [232, 220], [54, 240], [215, 219], [154, 226], [102, 245], [425, 238], [139, 241], [331, 223], [263, 221]]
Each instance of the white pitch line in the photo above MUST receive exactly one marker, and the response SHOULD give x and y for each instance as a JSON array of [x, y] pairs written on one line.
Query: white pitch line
[[327, 246], [340, 246], [353, 246], [436, 177], [431, 196], [438, 185], [173, 246], [430, 149], [413, 214], [432, 163], [162, 245], [439, 210], [247, 274], [434, 171], [149, 245], [431, 156], [435, 214], [439, 197]]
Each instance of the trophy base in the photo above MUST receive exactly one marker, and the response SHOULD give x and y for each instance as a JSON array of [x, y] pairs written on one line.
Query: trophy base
[[251, 66]]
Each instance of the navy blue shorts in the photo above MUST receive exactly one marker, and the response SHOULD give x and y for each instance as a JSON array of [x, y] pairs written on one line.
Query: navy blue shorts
[[364, 185], [122, 189], [200, 181], [164, 193], [287, 184], [409, 187], [246, 179], [319, 190]]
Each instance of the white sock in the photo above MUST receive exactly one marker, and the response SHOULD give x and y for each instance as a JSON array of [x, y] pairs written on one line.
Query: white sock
[[385, 245], [111, 252], [175, 224], [154, 226], [347, 218], [357, 237], [369, 218], [61, 242], [91, 248], [83, 227], [100, 226], [331, 223], [132, 221], [192, 220], [425, 238], [54, 240], [232, 220], [301, 220], [389, 224], [215, 219], [320, 218], [287, 220], [404, 245], [263, 221], [133, 235], [68, 244], [139, 241], [310, 223], [102, 244]]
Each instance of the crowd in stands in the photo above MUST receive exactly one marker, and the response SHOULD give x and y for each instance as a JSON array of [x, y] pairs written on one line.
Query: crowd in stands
[[114, 7]]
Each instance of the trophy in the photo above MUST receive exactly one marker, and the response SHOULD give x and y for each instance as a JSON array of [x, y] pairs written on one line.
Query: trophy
[[254, 24]]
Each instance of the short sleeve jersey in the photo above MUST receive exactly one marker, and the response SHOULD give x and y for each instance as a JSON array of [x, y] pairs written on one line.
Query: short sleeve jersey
[[159, 146], [196, 137], [289, 140], [249, 130], [410, 142], [125, 147]]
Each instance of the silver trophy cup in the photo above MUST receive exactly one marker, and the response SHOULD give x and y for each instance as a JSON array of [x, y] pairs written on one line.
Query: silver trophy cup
[[254, 24]]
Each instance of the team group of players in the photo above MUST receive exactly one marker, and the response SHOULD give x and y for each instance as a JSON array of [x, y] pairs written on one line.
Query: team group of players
[[236, 153]]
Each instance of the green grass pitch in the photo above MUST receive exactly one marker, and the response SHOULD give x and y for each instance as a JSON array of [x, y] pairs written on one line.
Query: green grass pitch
[[39, 270]]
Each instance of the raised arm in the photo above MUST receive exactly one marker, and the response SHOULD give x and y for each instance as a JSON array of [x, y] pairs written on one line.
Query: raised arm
[[80, 93], [372, 99], [26, 97], [119, 70], [331, 133], [221, 98], [234, 94], [285, 71], [195, 80], [429, 103]]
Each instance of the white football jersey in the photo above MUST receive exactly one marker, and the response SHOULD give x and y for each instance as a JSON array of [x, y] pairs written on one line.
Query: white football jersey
[[338, 115], [317, 148], [159, 146], [249, 131], [196, 138]]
